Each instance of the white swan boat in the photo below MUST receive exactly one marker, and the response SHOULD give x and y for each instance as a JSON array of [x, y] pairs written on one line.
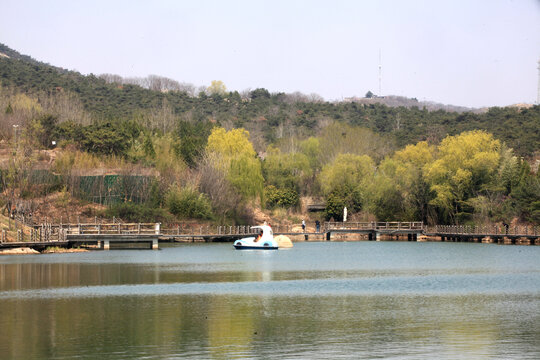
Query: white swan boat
[[264, 241]]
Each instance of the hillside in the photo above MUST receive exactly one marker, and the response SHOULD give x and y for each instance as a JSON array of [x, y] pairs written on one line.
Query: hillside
[[153, 150], [265, 114]]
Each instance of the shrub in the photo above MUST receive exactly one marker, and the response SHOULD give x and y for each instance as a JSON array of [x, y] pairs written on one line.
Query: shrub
[[284, 198], [188, 203], [137, 213]]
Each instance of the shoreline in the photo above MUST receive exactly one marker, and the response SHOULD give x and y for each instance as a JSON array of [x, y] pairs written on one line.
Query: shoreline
[[30, 251]]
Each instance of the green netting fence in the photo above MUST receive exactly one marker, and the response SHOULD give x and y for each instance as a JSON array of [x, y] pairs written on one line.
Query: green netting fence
[[101, 189]]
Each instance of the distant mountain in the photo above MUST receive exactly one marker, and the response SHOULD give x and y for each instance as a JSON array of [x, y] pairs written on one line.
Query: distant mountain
[[7, 52], [397, 101]]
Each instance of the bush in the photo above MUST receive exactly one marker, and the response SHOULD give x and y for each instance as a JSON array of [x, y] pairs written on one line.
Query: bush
[[137, 213], [188, 203], [284, 198], [341, 197]]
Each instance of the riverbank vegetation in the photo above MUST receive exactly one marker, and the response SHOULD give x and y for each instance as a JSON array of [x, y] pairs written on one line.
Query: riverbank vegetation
[[161, 151]]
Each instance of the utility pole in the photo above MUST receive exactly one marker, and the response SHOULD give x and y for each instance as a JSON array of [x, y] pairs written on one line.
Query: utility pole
[[380, 74], [538, 91]]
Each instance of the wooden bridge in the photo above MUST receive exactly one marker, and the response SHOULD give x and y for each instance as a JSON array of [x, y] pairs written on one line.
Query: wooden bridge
[[149, 235], [487, 234], [374, 230]]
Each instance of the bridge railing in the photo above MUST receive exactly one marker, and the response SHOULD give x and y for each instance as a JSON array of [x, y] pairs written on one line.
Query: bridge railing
[[374, 226], [518, 230], [190, 229], [115, 228]]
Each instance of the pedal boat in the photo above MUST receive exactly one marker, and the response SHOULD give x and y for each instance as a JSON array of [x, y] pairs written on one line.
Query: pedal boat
[[264, 241]]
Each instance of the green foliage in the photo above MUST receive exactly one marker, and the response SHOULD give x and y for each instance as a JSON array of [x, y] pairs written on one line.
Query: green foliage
[[287, 170], [130, 212], [105, 139], [188, 203], [524, 199], [148, 147], [341, 147], [106, 101], [341, 197], [311, 148], [284, 198], [260, 93], [156, 197], [465, 163], [347, 170], [239, 163], [43, 129], [193, 138]]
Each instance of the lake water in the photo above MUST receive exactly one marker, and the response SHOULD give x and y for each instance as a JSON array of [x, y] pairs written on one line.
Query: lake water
[[349, 300]]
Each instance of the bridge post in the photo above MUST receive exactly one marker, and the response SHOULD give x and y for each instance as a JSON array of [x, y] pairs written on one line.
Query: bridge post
[[106, 245], [155, 245], [157, 228], [377, 236]]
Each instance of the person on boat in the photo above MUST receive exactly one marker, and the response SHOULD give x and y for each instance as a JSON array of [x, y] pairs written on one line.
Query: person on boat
[[258, 236]]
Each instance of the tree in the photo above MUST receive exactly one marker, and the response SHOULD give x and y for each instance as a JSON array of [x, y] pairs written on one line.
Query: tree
[[369, 95], [260, 93], [193, 137], [188, 203], [105, 139], [466, 164], [240, 164], [287, 170], [217, 87], [43, 129], [347, 170], [339, 138]]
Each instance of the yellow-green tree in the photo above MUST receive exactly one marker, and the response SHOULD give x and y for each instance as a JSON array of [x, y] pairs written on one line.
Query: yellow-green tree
[[347, 169], [217, 87], [399, 191], [239, 161], [344, 182], [465, 165], [287, 170]]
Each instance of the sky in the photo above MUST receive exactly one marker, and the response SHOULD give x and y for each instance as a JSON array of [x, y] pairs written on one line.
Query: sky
[[473, 53]]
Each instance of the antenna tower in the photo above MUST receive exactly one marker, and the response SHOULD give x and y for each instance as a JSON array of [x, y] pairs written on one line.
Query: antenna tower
[[380, 73], [538, 92]]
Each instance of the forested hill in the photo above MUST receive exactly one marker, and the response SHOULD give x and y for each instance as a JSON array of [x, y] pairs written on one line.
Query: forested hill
[[265, 114]]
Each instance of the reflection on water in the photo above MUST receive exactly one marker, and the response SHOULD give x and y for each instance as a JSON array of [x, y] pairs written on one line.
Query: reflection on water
[[315, 301]]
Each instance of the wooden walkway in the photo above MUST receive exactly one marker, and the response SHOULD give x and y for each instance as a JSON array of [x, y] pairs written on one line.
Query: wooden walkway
[[149, 235], [487, 234]]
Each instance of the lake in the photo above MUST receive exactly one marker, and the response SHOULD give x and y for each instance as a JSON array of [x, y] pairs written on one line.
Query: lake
[[318, 300]]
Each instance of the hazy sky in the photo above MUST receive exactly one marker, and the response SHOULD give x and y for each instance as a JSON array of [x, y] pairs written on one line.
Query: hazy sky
[[462, 52]]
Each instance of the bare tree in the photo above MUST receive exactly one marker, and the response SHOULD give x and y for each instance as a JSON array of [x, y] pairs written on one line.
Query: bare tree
[[65, 106], [162, 118], [112, 78], [213, 182]]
